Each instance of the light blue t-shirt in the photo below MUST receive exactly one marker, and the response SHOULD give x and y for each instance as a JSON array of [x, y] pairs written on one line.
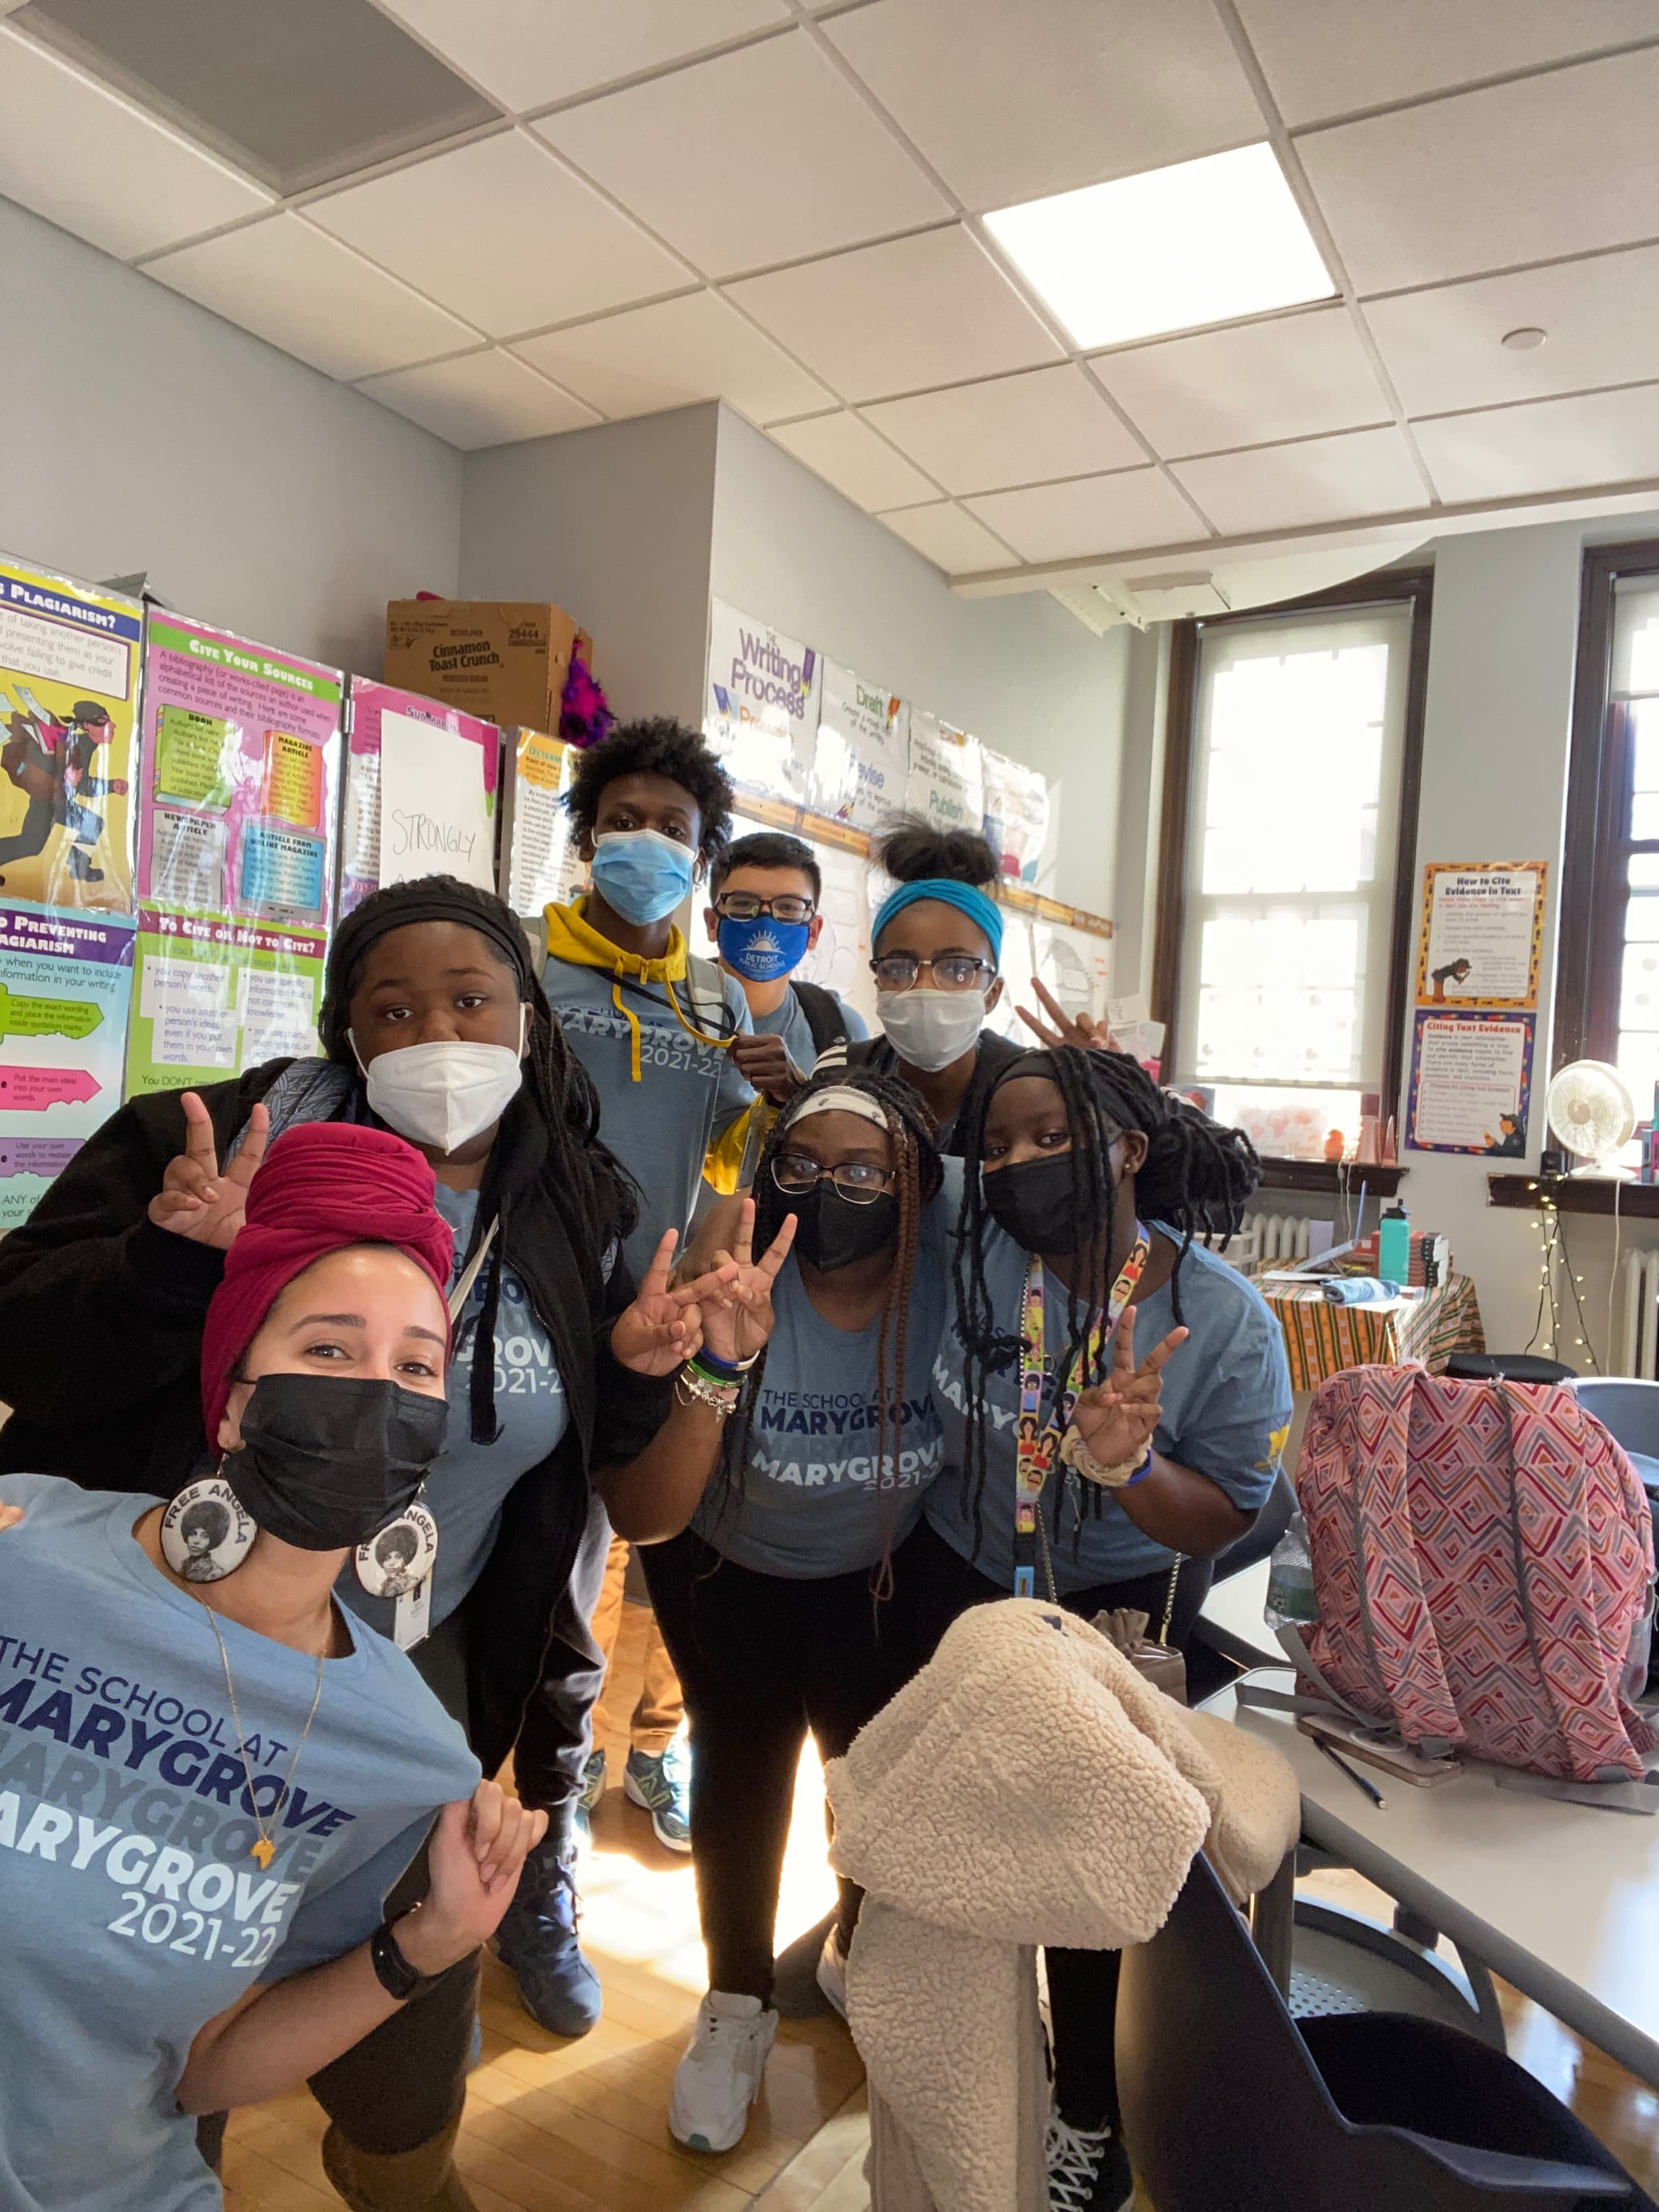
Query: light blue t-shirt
[[788, 1019], [469, 1482], [131, 1912], [1226, 1412], [688, 1094], [819, 1496]]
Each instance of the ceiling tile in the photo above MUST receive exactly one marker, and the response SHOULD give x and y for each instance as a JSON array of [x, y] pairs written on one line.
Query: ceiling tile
[[850, 456], [81, 157], [527, 52], [1443, 349], [288, 283], [479, 399], [755, 157], [1012, 430], [502, 234], [1534, 171], [950, 539], [1322, 60], [1360, 472], [1092, 514], [1009, 103], [1549, 444], [901, 317], [667, 355], [1248, 385]]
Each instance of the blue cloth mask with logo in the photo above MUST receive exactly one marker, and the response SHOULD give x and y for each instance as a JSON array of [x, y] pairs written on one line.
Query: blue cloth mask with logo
[[762, 950], [641, 874]]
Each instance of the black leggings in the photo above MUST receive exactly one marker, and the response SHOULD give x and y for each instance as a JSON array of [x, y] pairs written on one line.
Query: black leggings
[[763, 1659], [1082, 1985]]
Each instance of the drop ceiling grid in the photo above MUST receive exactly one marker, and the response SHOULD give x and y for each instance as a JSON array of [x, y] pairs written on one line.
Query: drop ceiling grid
[[1405, 340]]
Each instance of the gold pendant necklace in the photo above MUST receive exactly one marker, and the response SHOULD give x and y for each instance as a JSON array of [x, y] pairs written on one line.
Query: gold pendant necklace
[[265, 1850]]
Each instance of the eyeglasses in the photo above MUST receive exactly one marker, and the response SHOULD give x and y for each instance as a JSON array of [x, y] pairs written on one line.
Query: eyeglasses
[[860, 1182], [743, 906], [951, 971]]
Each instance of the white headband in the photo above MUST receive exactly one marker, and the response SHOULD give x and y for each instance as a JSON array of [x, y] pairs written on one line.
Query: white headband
[[841, 1098]]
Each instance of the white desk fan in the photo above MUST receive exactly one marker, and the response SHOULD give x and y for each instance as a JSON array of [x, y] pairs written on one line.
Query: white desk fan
[[1593, 1114]]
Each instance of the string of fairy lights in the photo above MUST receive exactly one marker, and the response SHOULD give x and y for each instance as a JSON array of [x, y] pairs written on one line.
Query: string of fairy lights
[[1555, 1256]]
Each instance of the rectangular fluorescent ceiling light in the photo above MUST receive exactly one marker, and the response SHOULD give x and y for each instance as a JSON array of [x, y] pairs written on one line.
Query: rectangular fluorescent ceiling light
[[1204, 241]]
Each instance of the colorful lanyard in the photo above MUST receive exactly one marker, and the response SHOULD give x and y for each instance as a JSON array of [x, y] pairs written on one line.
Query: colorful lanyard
[[1038, 1442]]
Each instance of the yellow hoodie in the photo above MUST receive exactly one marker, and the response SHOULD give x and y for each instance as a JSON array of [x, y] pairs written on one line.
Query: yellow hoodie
[[572, 937]]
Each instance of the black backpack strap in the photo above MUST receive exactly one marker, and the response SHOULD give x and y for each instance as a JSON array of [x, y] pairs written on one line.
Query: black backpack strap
[[823, 1016]]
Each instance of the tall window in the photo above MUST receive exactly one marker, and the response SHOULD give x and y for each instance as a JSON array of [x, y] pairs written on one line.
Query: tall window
[[1607, 1004], [1291, 766]]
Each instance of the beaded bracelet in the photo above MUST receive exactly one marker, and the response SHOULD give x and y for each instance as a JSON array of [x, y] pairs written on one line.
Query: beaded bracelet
[[690, 1387]]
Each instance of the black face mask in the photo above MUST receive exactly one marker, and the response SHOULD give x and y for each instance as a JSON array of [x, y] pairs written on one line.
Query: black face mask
[[1036, 1203], [832, 1232], [324, 1463]]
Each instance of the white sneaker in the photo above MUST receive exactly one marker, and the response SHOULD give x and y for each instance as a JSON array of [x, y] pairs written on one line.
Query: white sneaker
[[832, 1970], [719, 2076], [1088, 2171]]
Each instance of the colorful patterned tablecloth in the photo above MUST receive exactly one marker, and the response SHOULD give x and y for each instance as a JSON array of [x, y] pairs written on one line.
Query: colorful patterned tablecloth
[[1321, 1339]]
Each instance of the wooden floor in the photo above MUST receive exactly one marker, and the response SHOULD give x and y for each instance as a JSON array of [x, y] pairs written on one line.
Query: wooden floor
[[582, 2127]]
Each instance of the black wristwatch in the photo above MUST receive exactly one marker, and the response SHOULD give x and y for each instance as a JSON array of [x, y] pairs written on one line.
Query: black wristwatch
[[392, 1970]]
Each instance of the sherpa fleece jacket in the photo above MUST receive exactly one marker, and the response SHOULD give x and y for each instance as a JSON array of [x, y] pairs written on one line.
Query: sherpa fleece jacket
[[1028, 1787]]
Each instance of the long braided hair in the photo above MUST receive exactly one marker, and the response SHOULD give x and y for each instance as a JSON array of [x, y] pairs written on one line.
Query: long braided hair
[[1195, 1181], [917, 1174], [549, 1140]]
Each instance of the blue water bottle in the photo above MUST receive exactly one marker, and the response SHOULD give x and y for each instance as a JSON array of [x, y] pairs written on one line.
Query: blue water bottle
[[1393, 1246]]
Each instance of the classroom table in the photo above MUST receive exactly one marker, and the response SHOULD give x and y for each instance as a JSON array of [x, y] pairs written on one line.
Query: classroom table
[[1562, 1900], [1231, 1620], [1321, 1339]]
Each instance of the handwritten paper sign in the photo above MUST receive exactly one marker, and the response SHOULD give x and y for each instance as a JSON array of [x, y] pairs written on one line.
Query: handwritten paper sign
[[435, 815]]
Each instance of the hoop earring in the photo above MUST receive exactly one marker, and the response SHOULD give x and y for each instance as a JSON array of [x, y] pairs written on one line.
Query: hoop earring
[[206, 1532], [396, 1559]]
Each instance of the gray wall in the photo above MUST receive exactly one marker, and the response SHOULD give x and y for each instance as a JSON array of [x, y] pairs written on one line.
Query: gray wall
[[141, 432], [1020, 672], [612, 525]]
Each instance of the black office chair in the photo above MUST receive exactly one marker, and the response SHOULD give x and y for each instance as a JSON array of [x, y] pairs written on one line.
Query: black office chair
[[1506, 1367], [1227, 2107]]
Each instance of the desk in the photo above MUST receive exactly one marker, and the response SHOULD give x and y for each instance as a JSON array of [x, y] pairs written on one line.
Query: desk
[[1231, 1620], [1561, 1900], [1321, 1338]]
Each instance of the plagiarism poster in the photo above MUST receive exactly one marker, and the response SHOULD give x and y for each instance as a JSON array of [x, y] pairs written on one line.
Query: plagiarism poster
[[65, 980], [240, 782], [69, 692]]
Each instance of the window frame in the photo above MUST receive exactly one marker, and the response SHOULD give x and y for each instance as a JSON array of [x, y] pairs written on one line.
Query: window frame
[[1412, 587], [1595, 886]]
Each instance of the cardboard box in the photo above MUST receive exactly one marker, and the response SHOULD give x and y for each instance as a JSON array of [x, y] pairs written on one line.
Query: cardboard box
[[504, 659]]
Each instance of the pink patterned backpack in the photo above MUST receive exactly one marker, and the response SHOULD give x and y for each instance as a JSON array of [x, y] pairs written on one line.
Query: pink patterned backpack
[[1483, 1561]]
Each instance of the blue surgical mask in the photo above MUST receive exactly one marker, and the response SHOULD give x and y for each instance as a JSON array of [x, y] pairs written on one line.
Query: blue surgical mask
[[641, 874], [762, 950]]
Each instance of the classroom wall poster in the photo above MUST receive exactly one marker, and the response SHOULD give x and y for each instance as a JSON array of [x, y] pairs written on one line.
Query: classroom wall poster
[[240, 775], [946, 785], [1471, 1082], [1482, 935], [862, 763], [539, 864], [441, 824], [761, 710], [68, 696], [66, 979], [1016, 802]]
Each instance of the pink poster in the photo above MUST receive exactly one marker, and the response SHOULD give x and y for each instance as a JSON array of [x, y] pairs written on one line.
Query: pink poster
[[448, 846]]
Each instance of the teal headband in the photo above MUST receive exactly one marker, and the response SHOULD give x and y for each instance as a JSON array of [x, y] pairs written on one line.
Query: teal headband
[[966, 898]]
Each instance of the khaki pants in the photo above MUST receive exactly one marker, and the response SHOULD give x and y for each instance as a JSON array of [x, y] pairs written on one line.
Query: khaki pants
[[660, 1708]]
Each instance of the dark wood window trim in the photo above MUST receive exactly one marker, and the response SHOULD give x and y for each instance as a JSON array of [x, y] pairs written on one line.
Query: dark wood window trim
[[1594, 884], [1389, 587]]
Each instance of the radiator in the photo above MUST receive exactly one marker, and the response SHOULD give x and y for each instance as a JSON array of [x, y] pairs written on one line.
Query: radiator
[[1281, 1239], [1640, 1347]]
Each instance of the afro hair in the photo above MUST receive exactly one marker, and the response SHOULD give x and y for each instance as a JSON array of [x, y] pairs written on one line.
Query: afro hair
[[658, 746]]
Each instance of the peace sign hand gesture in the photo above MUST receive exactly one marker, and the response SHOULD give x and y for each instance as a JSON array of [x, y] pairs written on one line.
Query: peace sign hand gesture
[[195, 1200], [663, 1326], [1117, 1418], [736, 1316], [1061, 1028]]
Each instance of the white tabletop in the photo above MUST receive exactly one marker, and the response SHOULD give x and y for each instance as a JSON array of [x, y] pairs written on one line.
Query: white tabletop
[[1232, 1618], [1562, 1900]]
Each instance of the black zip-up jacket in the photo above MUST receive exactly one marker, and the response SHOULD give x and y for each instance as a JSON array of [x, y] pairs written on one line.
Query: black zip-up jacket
[[100, 1350]]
